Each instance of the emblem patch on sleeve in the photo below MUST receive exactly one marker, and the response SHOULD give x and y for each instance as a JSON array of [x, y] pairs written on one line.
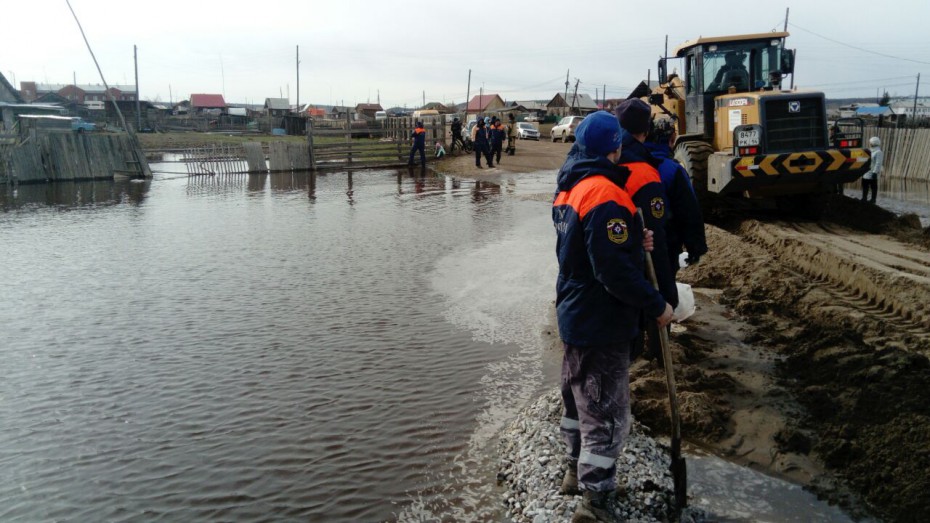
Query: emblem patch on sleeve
[[617, 230], [657, 205]]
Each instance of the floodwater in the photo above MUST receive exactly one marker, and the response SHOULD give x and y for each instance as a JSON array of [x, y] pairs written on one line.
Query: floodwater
[[899, 196], [342, 347]]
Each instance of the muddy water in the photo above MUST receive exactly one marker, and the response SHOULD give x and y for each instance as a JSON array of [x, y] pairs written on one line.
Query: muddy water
[[899, 196], [316, 348]]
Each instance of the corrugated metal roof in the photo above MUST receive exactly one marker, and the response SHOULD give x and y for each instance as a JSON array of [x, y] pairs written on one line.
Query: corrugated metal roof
[[277, 104], [874, 111], [207, 100], [480, 102]]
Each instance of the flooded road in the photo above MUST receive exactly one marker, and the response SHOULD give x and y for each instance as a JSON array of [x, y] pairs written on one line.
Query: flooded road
[[342, 347]]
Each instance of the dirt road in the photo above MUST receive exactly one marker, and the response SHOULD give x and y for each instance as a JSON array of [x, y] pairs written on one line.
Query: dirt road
[[808, 357]]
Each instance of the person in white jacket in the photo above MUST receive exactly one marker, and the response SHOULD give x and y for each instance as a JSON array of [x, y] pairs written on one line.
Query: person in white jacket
[[870, 179]]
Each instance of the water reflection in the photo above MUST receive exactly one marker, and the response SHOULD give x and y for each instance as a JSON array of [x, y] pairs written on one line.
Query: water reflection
[[69, 195]]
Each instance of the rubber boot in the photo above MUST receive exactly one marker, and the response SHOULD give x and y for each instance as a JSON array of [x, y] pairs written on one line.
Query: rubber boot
[[570, 483], [593, 508]]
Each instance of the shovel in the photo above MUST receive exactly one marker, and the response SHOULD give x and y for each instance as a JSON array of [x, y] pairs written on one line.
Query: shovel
[[678, 467]]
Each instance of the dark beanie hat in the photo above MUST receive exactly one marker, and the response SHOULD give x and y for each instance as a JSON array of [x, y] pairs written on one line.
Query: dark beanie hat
[[599, 133], [634, 115]]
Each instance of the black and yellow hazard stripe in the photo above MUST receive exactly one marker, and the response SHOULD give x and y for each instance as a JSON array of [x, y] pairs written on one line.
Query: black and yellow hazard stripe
[[807, 162]]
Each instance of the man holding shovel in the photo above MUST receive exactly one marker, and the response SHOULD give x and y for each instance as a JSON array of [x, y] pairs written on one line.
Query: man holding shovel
[[601, 291]]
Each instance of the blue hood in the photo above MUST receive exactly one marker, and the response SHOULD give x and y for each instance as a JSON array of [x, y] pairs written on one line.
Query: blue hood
[[659, 150], [579, 164]]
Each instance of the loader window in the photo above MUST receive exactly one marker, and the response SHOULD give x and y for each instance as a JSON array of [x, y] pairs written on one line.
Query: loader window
[[726, 68], [690, 83]]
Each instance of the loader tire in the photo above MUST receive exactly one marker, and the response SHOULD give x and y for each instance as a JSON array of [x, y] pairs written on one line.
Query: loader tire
[[693, 157]]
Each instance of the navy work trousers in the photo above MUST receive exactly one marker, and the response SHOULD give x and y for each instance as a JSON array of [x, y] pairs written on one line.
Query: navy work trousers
[[596, 420]]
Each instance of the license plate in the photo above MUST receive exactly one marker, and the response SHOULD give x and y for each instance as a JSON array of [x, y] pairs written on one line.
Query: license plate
[[747, 138]]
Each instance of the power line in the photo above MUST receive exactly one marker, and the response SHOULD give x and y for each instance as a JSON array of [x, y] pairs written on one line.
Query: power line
[[858, 48]]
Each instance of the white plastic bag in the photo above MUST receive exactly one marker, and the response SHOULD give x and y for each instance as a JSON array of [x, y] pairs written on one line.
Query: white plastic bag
[[686, 306]]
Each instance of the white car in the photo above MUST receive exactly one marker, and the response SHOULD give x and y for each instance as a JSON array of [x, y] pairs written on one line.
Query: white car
[[526, 131], [532, 118], [565, 129]]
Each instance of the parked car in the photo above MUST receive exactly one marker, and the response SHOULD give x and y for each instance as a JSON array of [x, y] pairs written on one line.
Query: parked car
[[526, 131], [565, 129], [80, 125], [532, 118]]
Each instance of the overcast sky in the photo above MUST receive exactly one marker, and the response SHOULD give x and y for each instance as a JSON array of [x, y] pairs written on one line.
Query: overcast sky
[[353, 50]]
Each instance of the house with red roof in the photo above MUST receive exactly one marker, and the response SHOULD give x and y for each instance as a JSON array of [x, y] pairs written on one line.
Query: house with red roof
[[483, 103], [207, 103]]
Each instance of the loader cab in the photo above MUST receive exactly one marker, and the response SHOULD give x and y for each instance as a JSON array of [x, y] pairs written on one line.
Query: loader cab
[[720, 65]]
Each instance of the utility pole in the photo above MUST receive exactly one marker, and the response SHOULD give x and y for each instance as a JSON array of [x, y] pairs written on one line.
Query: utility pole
[[917, 90], [424, 98], [298, 78], [135, 59], [566, 85], [575, 94], [467, 95]]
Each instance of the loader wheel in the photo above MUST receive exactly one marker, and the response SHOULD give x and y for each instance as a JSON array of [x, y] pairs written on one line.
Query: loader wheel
[[693, 157]]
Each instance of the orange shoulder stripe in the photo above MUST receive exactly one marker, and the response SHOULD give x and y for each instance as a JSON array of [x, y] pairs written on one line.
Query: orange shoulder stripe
[[641, 174], [591, 192]]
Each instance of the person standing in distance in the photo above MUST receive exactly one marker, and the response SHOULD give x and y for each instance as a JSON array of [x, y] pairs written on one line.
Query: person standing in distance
[[601, 291], [480, 137], [419, 144], [511, 134], [456, 130], [497, 138], [870, 179]]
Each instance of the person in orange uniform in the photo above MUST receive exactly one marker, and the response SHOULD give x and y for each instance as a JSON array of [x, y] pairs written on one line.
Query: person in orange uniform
[[648, 193], [601, 292], [419, 144]]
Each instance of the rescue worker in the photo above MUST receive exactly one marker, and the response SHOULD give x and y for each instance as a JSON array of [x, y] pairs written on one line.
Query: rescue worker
[[645, 188], [497, 138], [870, 179], [685, 225], [456, 135], [511, 134], [419, 144], [480, 139], [601, 292]]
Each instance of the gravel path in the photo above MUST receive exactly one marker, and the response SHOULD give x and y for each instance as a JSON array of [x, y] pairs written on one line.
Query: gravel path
[[532, 466]]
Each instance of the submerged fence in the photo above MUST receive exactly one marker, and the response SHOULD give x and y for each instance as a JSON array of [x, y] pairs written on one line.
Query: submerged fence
[[359, 145], [70, 156]]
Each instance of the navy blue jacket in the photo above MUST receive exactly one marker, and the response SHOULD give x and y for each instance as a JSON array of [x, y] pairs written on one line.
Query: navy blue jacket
[[601, 290], [498, 133], [645, 188], [419, 138], [481, 138], [685, 225]]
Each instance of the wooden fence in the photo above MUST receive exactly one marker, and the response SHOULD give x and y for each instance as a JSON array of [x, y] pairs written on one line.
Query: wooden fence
[[907, 153], [361, 145], [70, 156], [249, 158]]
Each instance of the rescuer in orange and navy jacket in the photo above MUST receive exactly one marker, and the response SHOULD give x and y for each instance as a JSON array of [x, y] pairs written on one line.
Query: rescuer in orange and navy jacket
[[419, 144], [601, 286], [600, 294], [645, 187]]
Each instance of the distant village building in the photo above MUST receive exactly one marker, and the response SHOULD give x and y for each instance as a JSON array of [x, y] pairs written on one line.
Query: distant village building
[[82, 94], [207, 104], [483, 103], [277, 106], [368, 110], [8, 93], [531, 107], [577, 104], [906, 108], [340, 112]]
